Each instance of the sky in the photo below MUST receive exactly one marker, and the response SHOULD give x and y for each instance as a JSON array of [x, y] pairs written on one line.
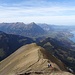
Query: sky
[[57, 12]]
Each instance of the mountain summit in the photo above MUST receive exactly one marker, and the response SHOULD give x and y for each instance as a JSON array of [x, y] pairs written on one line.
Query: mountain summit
[[30, 30], [32, 23], [32, 60]]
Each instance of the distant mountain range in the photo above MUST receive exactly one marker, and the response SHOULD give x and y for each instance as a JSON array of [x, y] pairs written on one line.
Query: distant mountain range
[[18, 28], [46, 27], [33, 29]]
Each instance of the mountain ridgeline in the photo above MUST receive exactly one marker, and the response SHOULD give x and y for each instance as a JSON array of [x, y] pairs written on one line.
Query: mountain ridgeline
[[9, 43], [35, 30], [22, 29], [62, 49], [32, 60]]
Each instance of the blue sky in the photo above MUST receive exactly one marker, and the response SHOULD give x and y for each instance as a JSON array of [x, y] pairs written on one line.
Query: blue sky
[[59, 12]]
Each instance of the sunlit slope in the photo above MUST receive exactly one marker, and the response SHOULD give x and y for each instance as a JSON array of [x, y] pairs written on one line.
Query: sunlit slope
[[32, 60]]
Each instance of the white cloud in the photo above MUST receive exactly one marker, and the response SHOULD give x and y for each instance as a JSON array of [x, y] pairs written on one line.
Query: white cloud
[[53, 15], [58, 20]]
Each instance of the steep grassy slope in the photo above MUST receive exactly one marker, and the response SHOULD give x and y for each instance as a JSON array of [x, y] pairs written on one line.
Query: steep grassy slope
[[9, 43], [32, 60], [63, 49]]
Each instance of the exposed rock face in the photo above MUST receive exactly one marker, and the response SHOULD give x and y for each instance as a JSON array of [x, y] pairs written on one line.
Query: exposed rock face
[[32, 60]]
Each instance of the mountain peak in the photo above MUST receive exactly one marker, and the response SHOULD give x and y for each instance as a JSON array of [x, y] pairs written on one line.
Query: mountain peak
[[19, 23], [32, 23], [31, 60]]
